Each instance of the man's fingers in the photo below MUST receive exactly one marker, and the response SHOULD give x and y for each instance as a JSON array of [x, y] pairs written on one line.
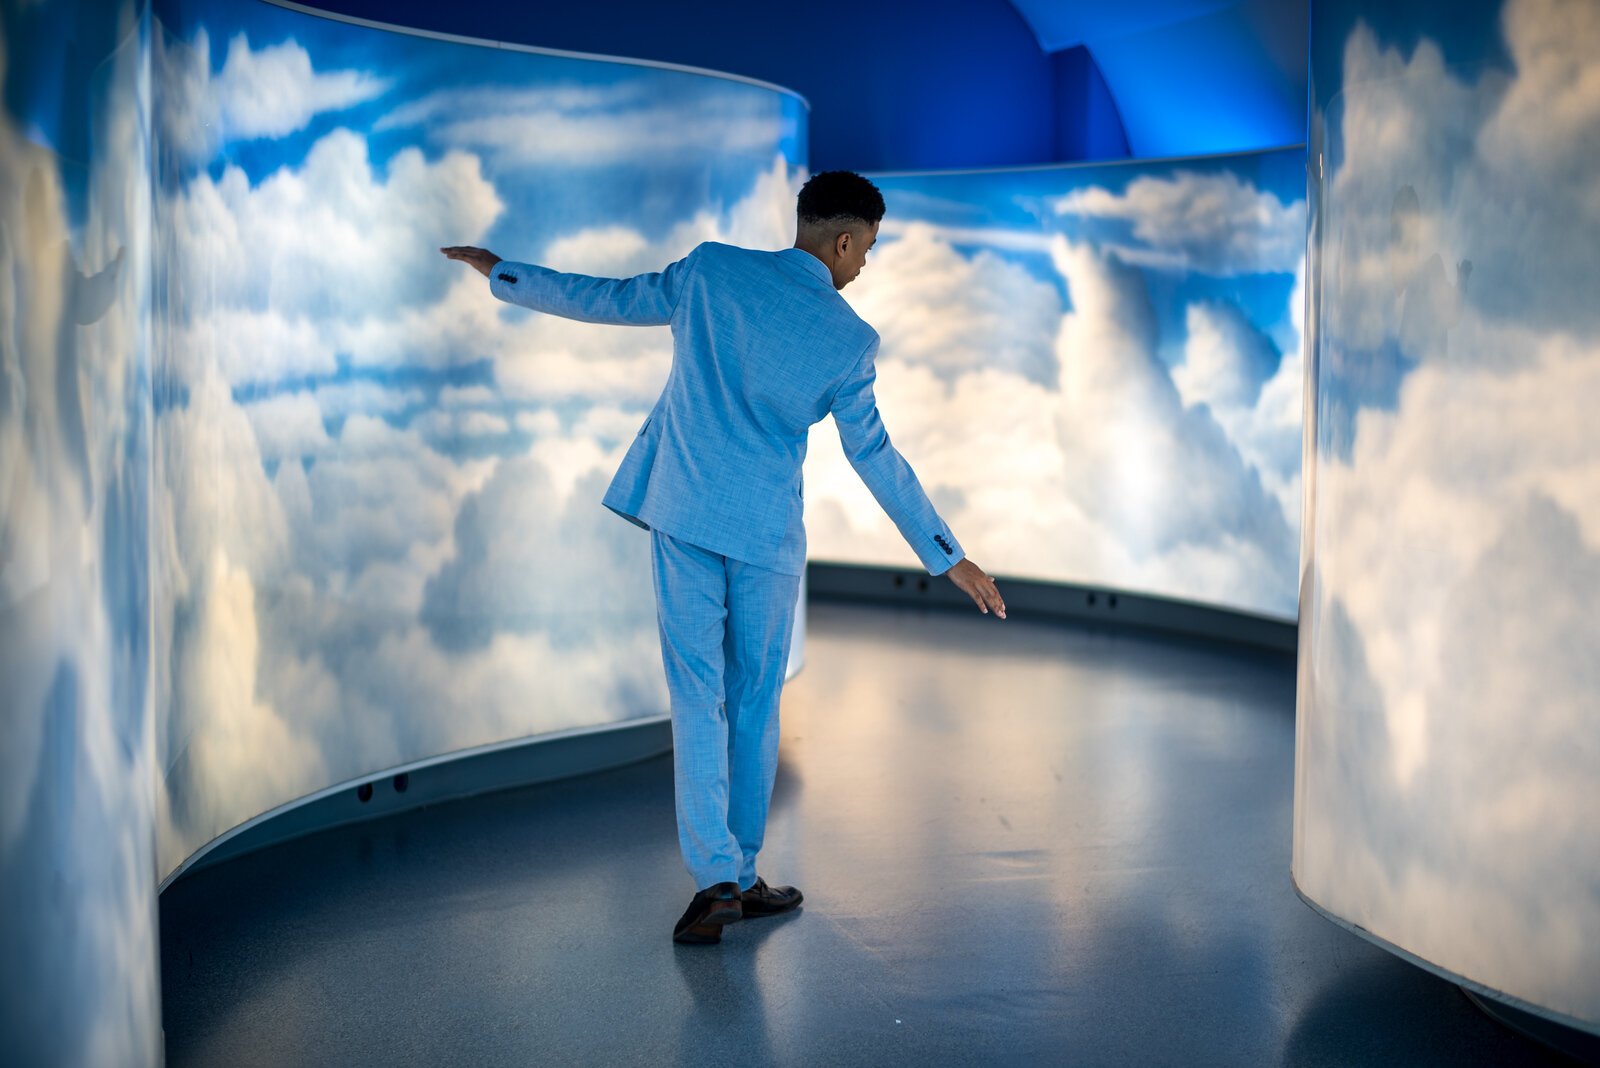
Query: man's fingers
[[971, 580], [984, 594], [479, 259], [991, 594]]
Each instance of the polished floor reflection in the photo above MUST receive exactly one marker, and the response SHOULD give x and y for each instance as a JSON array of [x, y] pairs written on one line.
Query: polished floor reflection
[[1020, 842]]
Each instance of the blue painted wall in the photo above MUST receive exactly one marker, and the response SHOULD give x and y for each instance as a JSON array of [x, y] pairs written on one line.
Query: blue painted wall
[[1222, 81], [1088, 125]]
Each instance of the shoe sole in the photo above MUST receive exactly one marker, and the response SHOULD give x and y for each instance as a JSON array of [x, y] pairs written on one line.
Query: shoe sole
[[709, 930], [759, 911]]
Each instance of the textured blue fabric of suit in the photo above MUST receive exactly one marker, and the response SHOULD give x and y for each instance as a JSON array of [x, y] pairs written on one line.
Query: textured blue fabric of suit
[[725, 632], [763, 348]]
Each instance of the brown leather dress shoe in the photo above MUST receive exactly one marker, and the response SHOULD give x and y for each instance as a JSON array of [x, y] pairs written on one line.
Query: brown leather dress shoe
[[764, 900], [709, 911]]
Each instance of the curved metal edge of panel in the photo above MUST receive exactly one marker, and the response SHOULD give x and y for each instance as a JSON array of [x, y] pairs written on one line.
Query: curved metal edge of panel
[[1059, 600], [512, 46], [1134, 161], [1566, 1034]]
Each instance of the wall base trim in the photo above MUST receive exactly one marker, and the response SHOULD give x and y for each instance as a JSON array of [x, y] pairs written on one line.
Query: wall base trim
[[449, 777], [1546, 1026], [1027, 597]]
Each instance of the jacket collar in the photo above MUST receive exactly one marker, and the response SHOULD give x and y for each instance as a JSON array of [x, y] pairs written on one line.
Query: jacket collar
[[809, 262]]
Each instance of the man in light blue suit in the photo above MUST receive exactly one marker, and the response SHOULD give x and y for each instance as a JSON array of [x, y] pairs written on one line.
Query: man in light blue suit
[[763, 347]]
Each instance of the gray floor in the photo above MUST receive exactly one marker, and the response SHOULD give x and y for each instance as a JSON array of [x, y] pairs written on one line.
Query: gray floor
[[1020, 842]]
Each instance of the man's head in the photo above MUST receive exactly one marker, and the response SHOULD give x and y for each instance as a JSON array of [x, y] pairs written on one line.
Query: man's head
[[837, 222]]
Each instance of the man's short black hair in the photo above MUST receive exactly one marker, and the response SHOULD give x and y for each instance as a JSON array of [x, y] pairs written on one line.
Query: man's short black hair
[[839, 195]]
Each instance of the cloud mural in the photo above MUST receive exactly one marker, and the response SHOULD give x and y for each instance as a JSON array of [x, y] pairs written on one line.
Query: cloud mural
[[1216, 222], [77, 859], [1447, 799], [1096, 372], [377, 527]]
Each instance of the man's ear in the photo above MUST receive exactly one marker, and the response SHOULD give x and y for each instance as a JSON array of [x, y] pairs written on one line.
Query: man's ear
[[841, 244]]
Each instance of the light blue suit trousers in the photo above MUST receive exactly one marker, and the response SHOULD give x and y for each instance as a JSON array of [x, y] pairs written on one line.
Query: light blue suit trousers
[[725, 631], [763, 347]]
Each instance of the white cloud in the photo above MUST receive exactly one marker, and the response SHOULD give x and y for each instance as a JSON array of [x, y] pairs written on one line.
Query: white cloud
[[1253, 394], [595, 126], [380, 492], [1007, 238], [274, 92], [342, 399], [331, 239], [1010, 319], [603, 251], [213, 492], [1226, 358], [467, 397], [464, 325], [241, 756], [1214, 223], [763, 218], [288, 426], [448, 427], [271, 92], [539, 424], [255, 346], [1551, 111], [532, 558]]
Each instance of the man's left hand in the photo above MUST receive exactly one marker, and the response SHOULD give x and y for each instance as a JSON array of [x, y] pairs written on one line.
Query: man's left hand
[[971, 580], [479, 259]]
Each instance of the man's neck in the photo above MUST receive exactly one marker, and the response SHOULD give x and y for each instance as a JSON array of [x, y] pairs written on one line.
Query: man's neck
[[818, 252]]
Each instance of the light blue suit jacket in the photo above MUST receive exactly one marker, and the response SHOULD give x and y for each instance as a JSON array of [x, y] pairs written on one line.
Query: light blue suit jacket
[[763, 346]]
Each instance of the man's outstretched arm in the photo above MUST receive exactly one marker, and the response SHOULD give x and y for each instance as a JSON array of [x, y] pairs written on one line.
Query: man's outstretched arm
[[897, 490], [644, 300]]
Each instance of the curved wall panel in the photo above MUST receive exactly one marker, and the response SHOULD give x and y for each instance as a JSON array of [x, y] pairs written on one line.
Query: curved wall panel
[[1096, 372], [1448, 771], [378, 536], [79, 981]]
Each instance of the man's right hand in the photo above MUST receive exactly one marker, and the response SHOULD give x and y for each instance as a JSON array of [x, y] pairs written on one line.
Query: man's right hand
[[479, 259], [971, 580]]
